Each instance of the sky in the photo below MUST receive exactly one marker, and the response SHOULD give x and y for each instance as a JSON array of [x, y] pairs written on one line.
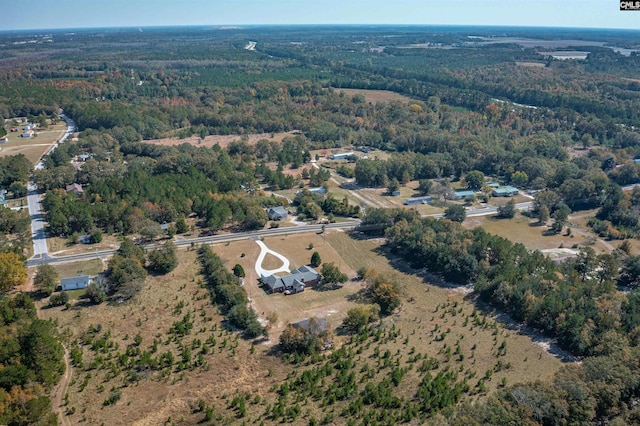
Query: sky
[[49, 14]]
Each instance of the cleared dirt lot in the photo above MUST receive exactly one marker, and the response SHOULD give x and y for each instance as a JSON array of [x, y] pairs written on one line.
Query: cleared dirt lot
[[222, 140], [375, 96]]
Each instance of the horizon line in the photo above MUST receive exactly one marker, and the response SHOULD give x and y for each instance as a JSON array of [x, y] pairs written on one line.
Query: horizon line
[[240, 26]]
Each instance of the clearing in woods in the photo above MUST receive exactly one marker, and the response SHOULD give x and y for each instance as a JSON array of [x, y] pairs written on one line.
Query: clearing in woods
[[35, 147], [222, 140], [376, 96], [523, 230], [126, 377]]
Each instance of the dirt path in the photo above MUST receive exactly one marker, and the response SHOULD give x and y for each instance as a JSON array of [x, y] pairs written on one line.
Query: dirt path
[[60, 390], [58, 393]]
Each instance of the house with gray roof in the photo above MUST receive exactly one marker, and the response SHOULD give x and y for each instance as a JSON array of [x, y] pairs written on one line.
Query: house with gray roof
[[277, 213], [75, 283], [295, 282]]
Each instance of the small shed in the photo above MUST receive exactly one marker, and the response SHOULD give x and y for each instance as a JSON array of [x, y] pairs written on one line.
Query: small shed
[[75, 283], [277, 213], [504, 191], [26, 134], [319, 190]]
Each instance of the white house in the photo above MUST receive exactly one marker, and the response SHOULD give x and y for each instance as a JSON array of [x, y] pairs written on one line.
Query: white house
[[74, 283]]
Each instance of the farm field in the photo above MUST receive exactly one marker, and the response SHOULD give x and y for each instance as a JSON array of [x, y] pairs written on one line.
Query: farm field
[[432, 320]]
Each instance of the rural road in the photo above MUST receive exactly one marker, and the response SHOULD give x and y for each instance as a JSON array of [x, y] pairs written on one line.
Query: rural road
[[214, 239], [40, 250], [38, 236]]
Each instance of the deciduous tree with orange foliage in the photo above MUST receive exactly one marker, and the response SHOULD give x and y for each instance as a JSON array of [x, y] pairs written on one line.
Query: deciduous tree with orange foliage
[[12, 271]]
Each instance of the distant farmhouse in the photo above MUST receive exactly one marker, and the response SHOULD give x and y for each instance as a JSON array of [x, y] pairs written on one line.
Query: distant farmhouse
[[504, 191], [26, 134], [319, 190], [296, 282], [75, 283], [75, 188], [277, 213], [417, 200], [462, 194], [342, 156]]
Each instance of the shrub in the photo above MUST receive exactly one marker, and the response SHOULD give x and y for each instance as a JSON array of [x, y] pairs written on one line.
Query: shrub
[[59, 299]]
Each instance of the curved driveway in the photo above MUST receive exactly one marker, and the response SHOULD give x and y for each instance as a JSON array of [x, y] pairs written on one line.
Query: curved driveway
[[264, 250]]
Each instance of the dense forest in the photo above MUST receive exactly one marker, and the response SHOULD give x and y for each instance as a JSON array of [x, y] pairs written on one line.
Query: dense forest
[[31, 360]]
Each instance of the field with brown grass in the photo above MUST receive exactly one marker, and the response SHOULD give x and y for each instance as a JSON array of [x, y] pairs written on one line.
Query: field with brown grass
[[526, 231], [116, 381], [222, 140], [35, 147]]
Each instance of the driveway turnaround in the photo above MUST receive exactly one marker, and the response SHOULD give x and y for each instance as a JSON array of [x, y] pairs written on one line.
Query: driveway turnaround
[[264, 250]]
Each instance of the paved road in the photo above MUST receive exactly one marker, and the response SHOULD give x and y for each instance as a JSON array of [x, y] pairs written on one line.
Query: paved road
[[37, 223], [214, 239], [40, 250]]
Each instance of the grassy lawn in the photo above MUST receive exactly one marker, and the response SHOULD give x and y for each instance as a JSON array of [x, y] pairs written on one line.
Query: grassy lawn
[[90, 267], [62, 246]]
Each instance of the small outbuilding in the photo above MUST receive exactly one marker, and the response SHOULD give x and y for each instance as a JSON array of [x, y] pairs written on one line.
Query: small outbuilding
[[319, 190], [277, 213], [75, 283], [27, 134]]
